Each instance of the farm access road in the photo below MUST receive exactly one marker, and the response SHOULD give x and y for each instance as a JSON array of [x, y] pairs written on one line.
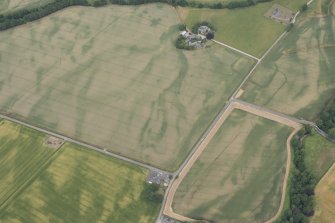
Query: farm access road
[[220, 118], [202, 144]]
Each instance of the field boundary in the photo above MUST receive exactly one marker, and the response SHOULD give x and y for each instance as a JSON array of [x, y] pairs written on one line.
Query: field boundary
[[323, 179], [235, 49], [202, 145], [287, 174], [80, 143]]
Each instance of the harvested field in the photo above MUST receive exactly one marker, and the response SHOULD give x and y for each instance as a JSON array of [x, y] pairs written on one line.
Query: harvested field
[[252, 37], [325, 199], [22, 155], [297, 77], [111, 76], [319, 154], [239, 176], [87, 187]]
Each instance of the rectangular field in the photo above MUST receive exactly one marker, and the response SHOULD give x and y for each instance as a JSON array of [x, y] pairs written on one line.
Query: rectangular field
[[319, 154], [87, 187], [239, 176], [246, 29], [297, 77], [22, 155], [112, 76]]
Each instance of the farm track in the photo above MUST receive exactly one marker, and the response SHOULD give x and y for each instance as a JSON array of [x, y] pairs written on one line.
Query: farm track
[[233, 103], [200, 147], [287, 173]]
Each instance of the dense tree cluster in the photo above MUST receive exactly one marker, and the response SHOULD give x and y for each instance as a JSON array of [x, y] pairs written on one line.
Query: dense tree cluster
[[23, 16], [182, 44], [301, 188], [153, 193], [327, 119], [203, 23]]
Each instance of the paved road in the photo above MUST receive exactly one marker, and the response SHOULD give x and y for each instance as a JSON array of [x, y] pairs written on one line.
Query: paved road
[[69, 139]]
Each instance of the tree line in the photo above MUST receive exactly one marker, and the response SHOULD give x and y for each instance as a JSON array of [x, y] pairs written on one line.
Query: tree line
[[326, 121], [301, 187], [22, 16]]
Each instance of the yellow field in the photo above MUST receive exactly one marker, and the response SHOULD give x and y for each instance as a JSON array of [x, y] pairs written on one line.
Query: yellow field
[[325, 199], [83, 186], [112, 76], [22, 156]]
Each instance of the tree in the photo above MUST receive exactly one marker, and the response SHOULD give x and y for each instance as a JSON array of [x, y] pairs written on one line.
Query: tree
[[182, 27], [210, 35], [304, 7], [331, 132]]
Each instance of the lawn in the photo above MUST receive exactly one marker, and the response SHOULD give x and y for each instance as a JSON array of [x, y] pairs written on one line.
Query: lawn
[[297, 77], [319, 154], [239, 176], [325, 196], [84, 186], [22, 156], [111, 76], [246, 29]]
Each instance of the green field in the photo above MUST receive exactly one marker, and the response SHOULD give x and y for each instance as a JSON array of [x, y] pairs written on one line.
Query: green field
[[112, 76], [254, 36], [78, 186], [22, 155], [297, 77], [319, 154], [239, 176]]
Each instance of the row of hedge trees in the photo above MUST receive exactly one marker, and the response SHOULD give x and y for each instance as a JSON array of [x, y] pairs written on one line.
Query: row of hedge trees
[[302, 184], [326, 121], [23, 16], [152, 193]]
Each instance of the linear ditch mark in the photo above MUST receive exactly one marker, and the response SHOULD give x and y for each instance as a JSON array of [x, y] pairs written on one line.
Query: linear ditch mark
[[30, 180]]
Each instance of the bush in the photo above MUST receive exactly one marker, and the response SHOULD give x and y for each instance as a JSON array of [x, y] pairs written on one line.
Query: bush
[[182, 44], [210, 35], [326, 121], [289, 27], [203, 23], [304, 7], [181, 27]]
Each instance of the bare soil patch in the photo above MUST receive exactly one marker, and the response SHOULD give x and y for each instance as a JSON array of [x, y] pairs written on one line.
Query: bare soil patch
[[53, 142]]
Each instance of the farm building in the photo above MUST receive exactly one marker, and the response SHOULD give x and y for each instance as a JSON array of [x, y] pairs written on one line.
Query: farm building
[[156, 177], [194, 40]]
